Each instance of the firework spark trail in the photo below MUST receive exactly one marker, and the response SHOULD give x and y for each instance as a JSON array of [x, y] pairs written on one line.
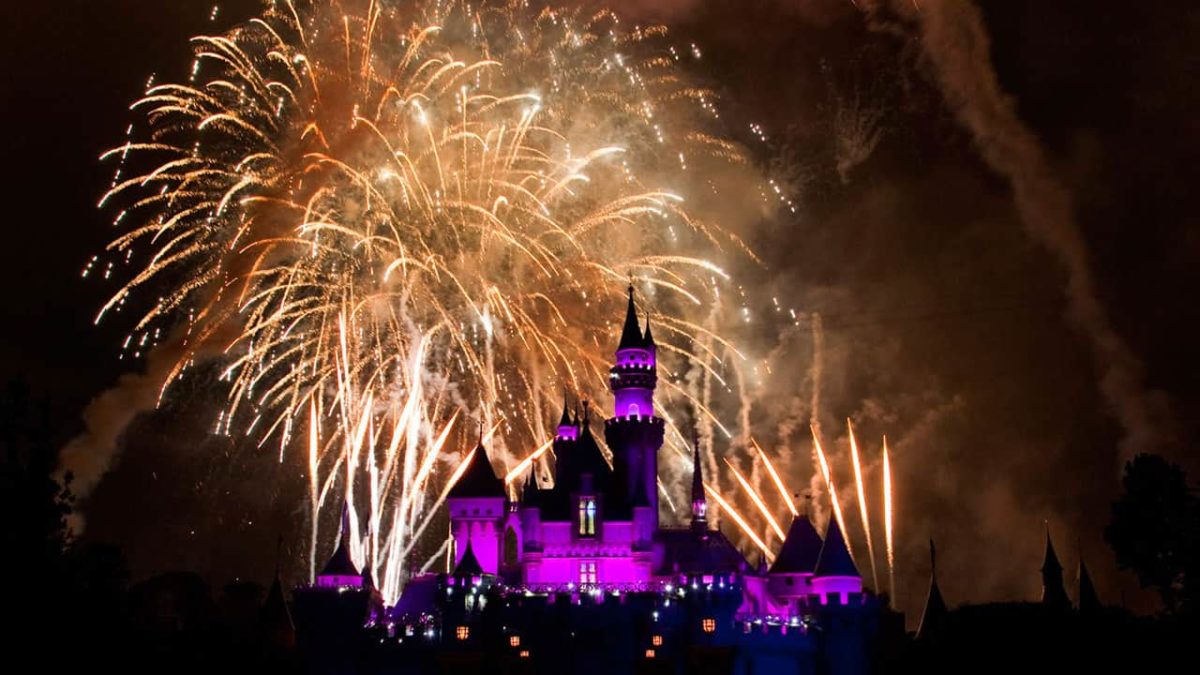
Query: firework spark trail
[[833, 498], [757, 500], [862, 501], [406, 212], [741, 522], [784, 494], [887, 522]]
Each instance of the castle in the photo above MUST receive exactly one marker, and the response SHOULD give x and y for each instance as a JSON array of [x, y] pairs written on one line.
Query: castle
[[579, 572]]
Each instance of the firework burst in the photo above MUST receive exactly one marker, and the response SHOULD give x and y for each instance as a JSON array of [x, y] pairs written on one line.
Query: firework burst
[[383, 218]]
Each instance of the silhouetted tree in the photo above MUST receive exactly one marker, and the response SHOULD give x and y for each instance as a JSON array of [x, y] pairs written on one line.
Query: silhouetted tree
[[1155, 531]]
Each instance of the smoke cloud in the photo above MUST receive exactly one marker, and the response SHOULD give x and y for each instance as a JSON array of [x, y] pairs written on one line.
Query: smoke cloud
[[957, 46]]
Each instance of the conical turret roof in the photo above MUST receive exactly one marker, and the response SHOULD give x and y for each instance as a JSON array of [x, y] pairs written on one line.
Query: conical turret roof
[[800, 549], [1089, 601], [340, 563], [479, 480], [469, 565], [631, 333], [835, 560]]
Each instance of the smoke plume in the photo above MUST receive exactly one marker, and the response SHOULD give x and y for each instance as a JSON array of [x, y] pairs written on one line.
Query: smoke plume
[[956, 45]]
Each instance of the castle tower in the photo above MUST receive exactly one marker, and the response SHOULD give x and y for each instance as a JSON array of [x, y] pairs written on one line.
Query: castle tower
[[341, 571], [699, 502], [477, 512], [835, 577], [634, 433]]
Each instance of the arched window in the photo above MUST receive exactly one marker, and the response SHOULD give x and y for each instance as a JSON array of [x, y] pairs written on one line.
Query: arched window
[[634, 409], [587, 516], [511, 547]]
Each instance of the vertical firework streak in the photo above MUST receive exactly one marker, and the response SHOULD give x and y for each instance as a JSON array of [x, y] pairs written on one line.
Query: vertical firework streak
[[408, 212], [862, 502], [833, 498], [887, 522], [784, 495]]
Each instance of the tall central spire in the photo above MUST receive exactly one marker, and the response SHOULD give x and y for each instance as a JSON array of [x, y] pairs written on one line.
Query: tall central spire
[[631, 333]]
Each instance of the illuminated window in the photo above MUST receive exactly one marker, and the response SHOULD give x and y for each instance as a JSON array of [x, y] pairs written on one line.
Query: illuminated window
[[524, 653], [587, 516], [514, 641], [462, 632], [708, 625], [656, 640], [649, 653], [587, 572]]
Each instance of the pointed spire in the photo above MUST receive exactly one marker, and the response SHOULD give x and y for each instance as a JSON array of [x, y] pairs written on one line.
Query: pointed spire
[[468, 565], [478, 479], [699, 503], [647, 337], [631, 333], [1054, 593], [565, 420], [800, 549], [933, 618], [835, 560], [340, 563], [1089, 601]]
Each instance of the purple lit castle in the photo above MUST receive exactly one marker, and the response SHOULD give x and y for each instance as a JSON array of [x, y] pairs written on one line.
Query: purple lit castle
[[579, 576]]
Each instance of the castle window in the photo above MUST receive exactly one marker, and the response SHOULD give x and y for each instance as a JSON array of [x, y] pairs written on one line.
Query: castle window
[[587, 573], [587, 516], [524, 653], [634, 410], [656, 640], [462, 632], [514, 641], [708, 625], [650, 653]]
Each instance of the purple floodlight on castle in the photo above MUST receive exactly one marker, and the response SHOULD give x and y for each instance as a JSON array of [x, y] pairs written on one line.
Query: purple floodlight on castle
[[592, 524]]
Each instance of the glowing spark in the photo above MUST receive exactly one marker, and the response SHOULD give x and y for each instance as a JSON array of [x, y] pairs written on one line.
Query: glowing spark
[[784, 493], [741, 522], [833, 498], [862, 501], [887, 522], [758, 502]]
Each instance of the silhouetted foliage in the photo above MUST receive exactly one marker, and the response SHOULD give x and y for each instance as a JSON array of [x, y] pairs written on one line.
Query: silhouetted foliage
[[1155, 531]]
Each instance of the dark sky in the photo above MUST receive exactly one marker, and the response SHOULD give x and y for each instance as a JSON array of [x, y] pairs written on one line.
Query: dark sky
[[944, 320]]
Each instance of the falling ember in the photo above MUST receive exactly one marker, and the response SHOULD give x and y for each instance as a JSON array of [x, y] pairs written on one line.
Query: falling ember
[[519, 470], [758, 501], [741, 522], [887, 522], [833, 498], [784, 494], [862, 501]]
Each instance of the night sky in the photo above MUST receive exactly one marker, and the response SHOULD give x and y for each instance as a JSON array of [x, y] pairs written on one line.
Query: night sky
[[945, 321]]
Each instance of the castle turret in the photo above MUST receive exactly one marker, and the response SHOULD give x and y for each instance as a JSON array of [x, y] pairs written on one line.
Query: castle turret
[[477, 511], [1054, 593], [634, 433], [340, 570], [835, 576], [790, 576]]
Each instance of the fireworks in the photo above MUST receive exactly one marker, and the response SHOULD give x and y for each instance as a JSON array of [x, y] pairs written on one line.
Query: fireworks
[[862, 501], [382, 217], [887, 521]]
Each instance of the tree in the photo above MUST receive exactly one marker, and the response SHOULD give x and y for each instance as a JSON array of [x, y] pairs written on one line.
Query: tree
[[1155, 531]]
